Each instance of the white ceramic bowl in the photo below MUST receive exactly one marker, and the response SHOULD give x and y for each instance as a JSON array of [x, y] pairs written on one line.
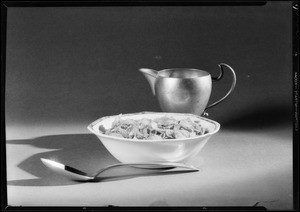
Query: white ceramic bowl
[[162, 150]]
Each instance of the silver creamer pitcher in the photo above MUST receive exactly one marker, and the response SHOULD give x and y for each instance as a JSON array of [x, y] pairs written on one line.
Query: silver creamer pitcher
[[185, 90]]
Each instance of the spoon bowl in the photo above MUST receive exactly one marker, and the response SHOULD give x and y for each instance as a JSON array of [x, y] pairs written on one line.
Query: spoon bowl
[[65, 170]]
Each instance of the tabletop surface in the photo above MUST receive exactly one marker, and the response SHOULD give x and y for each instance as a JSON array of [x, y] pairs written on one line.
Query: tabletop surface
[[243, 168]]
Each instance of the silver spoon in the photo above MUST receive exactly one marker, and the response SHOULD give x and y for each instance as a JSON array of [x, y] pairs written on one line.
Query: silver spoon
[[76, 174]]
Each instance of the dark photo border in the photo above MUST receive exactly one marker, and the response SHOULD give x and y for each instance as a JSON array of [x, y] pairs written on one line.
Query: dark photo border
[[5, 5]]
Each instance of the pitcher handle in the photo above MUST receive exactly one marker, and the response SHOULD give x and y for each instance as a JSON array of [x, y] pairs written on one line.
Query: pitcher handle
[[219, 78]]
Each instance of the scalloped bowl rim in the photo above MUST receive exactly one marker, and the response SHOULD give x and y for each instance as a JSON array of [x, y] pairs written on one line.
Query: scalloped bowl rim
[[91, 127]]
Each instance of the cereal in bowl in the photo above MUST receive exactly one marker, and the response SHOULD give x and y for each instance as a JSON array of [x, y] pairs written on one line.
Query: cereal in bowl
[[152, 129]]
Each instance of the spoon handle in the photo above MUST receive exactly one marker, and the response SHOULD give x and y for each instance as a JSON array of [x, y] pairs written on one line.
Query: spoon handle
[[159, 165]]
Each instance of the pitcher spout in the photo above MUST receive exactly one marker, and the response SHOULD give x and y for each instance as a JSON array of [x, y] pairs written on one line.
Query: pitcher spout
[[150, 75]]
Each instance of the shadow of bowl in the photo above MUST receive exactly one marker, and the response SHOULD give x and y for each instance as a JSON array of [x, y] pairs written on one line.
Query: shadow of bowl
[[81, 151]]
